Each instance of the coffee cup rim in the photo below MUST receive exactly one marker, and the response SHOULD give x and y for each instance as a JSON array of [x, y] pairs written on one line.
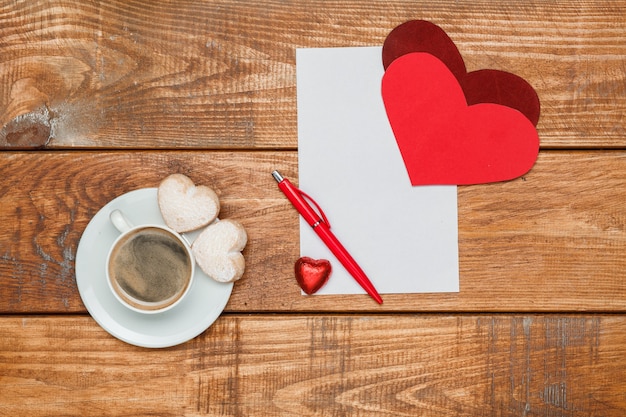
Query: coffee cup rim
[[181, 238]]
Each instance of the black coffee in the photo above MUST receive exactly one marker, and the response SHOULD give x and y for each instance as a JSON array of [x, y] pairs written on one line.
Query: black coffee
[[150, 269]]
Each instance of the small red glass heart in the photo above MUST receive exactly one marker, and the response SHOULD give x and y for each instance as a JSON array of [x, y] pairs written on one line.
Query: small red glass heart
[[312, 274]]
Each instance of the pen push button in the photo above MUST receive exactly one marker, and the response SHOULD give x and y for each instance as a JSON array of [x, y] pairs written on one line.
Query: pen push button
[[301, 200]]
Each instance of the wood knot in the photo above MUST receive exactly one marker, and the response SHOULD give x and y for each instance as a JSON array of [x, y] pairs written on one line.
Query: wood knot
[[30, 130]]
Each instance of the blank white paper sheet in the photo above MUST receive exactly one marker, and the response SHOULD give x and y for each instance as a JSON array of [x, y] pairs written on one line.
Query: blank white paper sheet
[[405, 238]]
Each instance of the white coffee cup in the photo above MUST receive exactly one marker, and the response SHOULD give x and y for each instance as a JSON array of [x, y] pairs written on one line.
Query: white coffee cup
[[150, 268]]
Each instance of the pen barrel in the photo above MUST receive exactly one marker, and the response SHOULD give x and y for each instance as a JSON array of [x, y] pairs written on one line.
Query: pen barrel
[[295, 197], [347, 260], [319, 224]]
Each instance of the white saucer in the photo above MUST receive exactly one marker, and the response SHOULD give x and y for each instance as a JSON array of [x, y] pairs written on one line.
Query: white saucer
[[203, 305]]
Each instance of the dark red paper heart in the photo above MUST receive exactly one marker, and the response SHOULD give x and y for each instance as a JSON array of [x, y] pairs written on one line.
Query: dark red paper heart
[[312, 274], [482, 86], [443, 140]]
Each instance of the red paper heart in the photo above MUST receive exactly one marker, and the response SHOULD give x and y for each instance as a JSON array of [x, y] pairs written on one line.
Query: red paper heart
[[423, 36], [483, 86], [312, 274], [443, 140]]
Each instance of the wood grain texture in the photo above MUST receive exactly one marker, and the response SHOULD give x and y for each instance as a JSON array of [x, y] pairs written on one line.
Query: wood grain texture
[[100, 98], [553, 240], [50, 198], [221, 74], [322, 366]]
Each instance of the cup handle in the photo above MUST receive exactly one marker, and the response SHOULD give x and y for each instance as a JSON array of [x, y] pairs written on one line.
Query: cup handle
[[121, 223]]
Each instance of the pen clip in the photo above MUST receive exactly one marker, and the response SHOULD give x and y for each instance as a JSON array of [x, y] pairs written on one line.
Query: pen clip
[[319, 209]]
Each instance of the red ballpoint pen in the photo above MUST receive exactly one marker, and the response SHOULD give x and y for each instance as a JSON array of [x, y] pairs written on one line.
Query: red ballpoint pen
[[321, 226]]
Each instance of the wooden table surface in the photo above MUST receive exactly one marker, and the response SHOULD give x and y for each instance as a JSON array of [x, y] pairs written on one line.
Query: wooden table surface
[[101, 98]]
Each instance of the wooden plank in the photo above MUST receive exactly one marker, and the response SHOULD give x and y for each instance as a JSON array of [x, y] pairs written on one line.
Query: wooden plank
[[553, 240], [221, 74], [51, 197], [464, 365]]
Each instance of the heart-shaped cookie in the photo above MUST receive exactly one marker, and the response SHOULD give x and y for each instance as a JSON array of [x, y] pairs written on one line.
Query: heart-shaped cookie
[[185, 206], [312, 274], [482, 86], [443, 140], [218, 250]]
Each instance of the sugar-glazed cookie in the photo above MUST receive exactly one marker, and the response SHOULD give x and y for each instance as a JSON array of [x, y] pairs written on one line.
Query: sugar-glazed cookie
[[218, 250], [185, 206]]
